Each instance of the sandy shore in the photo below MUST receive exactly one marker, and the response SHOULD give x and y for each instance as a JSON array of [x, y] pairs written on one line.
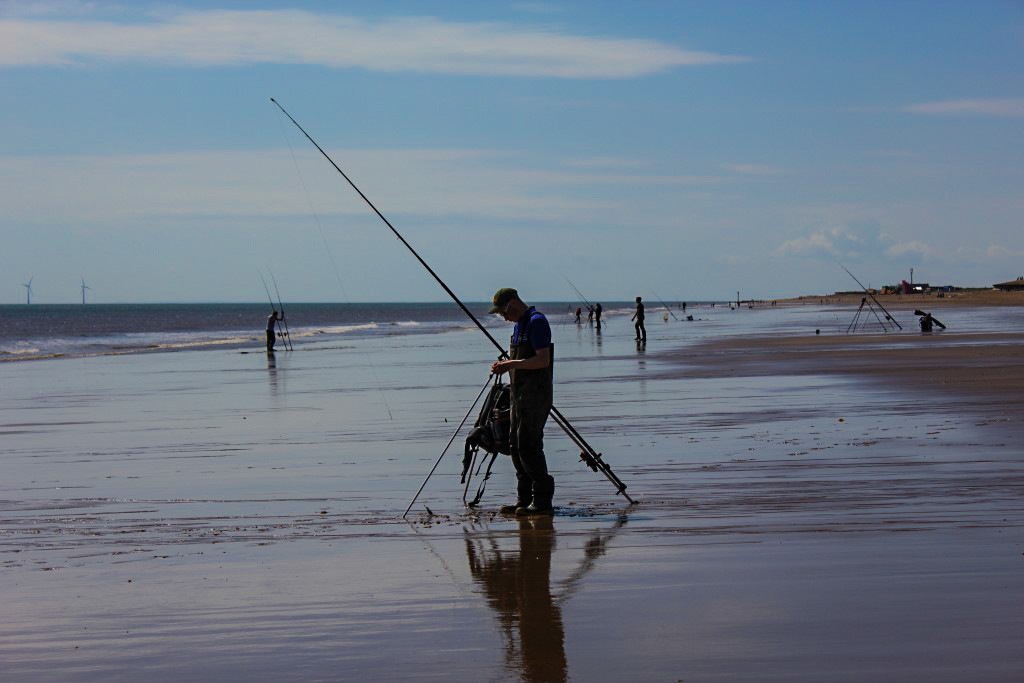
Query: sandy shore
[[923, 301], [811, 508]]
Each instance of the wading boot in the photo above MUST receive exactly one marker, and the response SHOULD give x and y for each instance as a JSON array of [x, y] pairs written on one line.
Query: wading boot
[[524, 494], [512, 509], [543, 493], [536, 508]]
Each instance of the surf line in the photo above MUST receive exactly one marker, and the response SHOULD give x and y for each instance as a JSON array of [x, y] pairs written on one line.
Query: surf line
[[588, 455]]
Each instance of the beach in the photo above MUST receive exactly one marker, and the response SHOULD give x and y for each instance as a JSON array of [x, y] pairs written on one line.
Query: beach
[[810, 507]]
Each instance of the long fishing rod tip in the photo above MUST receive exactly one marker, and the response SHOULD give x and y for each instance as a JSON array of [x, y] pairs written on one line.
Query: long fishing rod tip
[[273, 100]]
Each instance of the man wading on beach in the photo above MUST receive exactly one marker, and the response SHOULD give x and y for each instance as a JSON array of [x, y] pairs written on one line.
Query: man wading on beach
[[271, 331], [641, 331], [530, 378]]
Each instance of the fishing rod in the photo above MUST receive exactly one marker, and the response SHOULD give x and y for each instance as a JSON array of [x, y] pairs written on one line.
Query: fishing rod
[[447, 446], [665, 305], [272, 307], [578, 292], [888, 316], [590, 307], [588, 455], [284, 319]]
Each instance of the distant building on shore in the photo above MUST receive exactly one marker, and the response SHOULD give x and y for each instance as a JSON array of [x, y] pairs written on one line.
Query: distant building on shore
[[1011, 286]]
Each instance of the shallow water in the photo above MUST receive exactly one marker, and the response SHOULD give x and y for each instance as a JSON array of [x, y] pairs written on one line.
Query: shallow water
[[220, 515]]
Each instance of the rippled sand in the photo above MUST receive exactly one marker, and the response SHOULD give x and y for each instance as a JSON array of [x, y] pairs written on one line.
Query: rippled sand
[[805, 513]]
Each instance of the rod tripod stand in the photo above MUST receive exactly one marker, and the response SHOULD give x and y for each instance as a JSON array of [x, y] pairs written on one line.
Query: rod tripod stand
[[861, 318]]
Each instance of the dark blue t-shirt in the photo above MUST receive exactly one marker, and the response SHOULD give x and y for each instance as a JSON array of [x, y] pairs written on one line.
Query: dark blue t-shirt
[[538, 332]]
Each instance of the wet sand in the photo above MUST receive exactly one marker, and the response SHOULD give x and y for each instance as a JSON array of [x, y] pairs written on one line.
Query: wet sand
[[984, 370], [804, 514]]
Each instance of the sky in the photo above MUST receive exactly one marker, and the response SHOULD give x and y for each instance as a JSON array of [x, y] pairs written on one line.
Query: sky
[[686, 150]]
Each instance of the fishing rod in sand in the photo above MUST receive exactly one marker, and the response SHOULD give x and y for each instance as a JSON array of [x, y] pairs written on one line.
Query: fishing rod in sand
[[665, 305], [588, 455], [888, 316], [284, 319], [273, 307]]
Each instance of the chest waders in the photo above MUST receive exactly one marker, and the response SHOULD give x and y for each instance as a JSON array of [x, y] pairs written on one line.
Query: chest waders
[[531, 404]]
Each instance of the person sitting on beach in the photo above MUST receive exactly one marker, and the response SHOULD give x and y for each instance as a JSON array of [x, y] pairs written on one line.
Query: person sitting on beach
[[271, 329], [531, 382], [641, 331]]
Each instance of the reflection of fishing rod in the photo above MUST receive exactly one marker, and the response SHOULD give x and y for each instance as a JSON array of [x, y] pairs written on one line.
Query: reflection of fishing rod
[[593, 550], [588, 455], [665, 305], [272, 307], [887, 314], [284, 319]]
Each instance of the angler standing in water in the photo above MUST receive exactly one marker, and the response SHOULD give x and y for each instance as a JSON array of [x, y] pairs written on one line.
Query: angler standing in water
[[597, 314], [531, 381], [641, 331], [272, 329]]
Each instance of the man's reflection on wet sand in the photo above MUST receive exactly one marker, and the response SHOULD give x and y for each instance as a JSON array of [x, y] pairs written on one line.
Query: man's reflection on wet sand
[[272, 372], [517, 586]]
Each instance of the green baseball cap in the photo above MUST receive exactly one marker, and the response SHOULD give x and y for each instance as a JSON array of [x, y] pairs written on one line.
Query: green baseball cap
[[501, 299]]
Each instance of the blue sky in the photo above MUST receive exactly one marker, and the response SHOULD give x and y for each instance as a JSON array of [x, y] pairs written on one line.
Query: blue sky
[[689, 149]]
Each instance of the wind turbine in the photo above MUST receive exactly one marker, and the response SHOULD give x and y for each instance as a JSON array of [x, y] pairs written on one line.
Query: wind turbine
[[28, 290], [84, 287]]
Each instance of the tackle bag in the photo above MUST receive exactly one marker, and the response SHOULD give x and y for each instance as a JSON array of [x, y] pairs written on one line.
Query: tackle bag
[[492, 428]]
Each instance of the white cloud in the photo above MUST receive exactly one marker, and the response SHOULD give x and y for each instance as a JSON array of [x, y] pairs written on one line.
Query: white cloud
[[430, 183], [997, 251], [604, 162], [988, 107], [537, 7], [837, 241], [752, 169], [925, 251], [418, 44], [859, 239]]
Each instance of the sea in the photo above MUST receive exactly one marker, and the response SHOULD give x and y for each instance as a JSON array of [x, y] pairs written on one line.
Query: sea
[[41, 331], [52, 331]]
